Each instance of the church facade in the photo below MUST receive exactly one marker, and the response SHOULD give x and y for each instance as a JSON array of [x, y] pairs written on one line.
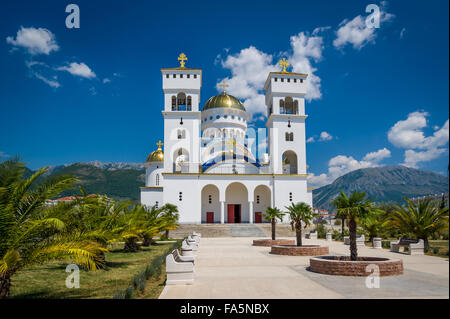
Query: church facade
[[209, 167]]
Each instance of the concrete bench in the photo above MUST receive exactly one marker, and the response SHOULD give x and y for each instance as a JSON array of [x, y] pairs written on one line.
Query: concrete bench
[[178, 272], [187, 250], [311, 235], [195, 234], [183, 258], [191, 245], [415, 246], [193, 239], [360, 239]]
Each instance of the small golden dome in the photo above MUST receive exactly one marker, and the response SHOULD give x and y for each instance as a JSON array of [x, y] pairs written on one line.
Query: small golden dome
[[158, 155], [223, 100]]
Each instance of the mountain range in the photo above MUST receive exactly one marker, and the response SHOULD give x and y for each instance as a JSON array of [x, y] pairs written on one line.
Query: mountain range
[[385, 183]]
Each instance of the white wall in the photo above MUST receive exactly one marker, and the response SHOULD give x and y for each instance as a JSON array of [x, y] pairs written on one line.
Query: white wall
[[149, 197]]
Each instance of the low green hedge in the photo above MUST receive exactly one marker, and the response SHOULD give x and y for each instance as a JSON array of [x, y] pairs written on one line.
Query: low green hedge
[[152, 270]]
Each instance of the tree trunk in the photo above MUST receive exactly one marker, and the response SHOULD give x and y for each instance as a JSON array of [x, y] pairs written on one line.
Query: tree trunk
[[426, 244], [298, 232], [131, 246], [167, 234], [353, 248], [273, 228], [5, 285], [147, 241], [342, 227]]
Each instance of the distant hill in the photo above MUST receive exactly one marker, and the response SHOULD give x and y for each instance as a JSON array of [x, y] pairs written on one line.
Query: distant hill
[[387, 183], [116, 180]]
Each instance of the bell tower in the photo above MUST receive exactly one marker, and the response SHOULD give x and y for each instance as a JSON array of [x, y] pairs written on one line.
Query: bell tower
[[285, 101], [181, 114]]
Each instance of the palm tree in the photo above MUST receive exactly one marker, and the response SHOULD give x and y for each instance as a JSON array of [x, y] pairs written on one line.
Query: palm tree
[[421, 219], [273, 214], [337, 204], [298, 213], [355, 207], [27, 234], [373, 224], [171, 216]]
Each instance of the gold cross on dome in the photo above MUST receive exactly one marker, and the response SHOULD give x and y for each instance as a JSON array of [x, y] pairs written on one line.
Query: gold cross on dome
[[160, 144], [284, 64], [182, 58], [224, 86]]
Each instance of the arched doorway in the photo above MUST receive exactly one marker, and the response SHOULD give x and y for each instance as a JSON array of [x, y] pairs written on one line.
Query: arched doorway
[[289, 159], [236, 204], [261, 200], [210, 204]]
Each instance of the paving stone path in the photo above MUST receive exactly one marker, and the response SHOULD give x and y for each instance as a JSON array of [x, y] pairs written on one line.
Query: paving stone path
[[231, 267]]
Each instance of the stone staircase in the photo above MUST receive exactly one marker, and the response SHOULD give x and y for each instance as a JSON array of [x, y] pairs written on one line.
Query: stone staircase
[[232, 230]]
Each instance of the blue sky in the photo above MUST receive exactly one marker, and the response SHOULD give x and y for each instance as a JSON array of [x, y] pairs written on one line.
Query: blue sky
[[378, 96]]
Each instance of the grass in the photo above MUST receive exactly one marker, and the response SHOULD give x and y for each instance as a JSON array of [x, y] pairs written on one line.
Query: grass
[[441, 247], [48, 280]]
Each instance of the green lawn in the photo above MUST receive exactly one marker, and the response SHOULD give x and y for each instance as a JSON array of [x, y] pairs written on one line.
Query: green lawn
[[48, 280]]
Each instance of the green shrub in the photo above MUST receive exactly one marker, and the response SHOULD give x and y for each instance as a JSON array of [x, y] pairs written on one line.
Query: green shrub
[[337, 222], [436, 250], [321, 231], [149, 272], [446, 253], [139, 282], [129, 293], [120, 294], [386, 244], [445, 235]]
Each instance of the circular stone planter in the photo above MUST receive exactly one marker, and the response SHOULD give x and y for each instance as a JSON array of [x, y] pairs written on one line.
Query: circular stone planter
[[270, 242], [305, 250], [343, 266]]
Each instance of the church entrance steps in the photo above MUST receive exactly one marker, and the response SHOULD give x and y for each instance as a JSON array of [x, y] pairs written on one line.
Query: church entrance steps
[[233, 230]]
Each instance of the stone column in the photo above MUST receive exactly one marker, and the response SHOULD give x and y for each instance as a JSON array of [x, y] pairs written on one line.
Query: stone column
[[222, 212], [250, 212], [329, 237], [376, 242]]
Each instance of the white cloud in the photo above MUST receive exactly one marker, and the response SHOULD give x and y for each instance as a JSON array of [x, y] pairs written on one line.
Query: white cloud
[[342, 164], [250, 67], [356, 32], [402, 33], [413, 157], [323, 136], [43, 72], [377, 156], [78, 69], [409, 134], [106, 80], [35, 41]]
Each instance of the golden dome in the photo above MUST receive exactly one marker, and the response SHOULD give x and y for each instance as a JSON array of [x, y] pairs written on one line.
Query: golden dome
[[158, 155], [223, 100]]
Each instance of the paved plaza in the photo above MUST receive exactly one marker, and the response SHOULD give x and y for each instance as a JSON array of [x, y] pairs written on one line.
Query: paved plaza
[[228, 268]]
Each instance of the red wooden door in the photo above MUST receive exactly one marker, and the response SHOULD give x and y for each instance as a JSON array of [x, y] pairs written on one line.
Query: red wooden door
[[231, 214], [210, 217], [258, 217]]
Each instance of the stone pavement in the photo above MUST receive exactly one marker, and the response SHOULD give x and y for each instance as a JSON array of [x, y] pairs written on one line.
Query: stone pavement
[[231, 268]]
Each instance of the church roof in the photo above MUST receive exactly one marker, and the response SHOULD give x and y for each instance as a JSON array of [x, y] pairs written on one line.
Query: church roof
[[223, 100], [156, 156]]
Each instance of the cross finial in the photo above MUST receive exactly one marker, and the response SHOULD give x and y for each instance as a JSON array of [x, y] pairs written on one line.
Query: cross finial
[[224, 86], [182, 58], [159, 144], [284, 64]]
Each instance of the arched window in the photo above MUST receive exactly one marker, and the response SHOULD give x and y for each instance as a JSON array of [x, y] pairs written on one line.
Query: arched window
[[288, 105], [281, 106], [291, 137], [296, 107], [189, 103], [181, 101], [157, 179], [174, 103]]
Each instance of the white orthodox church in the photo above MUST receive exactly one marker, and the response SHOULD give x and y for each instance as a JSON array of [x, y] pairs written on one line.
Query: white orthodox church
[[207, 168]]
